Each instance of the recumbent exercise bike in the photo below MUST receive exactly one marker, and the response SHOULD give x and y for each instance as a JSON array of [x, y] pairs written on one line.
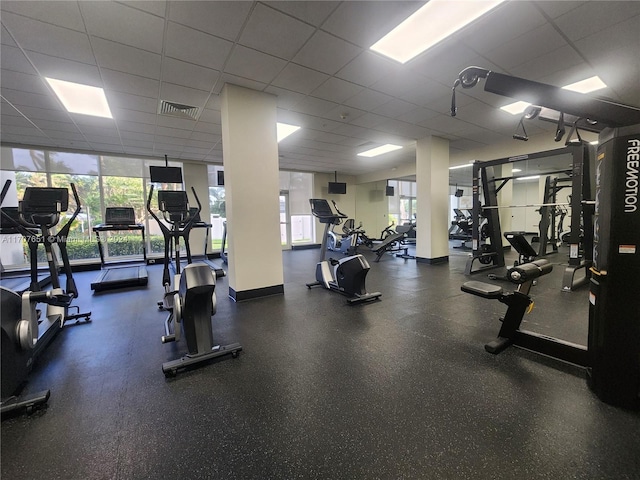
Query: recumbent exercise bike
[[347, 275]]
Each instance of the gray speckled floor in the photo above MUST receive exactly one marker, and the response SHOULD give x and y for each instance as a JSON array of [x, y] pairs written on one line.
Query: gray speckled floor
[[397, 389]]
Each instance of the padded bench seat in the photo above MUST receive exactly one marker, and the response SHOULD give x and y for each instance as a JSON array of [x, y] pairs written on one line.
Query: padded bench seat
[[482, 289]]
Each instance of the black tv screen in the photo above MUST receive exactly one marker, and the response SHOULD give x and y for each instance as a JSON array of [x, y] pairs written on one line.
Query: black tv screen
[[165, 174], [389, 191], [337, 188]]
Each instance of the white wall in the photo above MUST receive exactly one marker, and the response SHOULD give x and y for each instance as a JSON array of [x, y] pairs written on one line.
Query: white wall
[[372, 207]]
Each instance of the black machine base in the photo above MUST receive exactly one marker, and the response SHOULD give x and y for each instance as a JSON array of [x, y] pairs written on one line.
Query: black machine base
[[170, 369], [28, 404], [121, 277]]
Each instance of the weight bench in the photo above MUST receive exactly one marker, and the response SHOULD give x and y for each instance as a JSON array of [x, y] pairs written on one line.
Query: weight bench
[[518, 303], [391, 244]]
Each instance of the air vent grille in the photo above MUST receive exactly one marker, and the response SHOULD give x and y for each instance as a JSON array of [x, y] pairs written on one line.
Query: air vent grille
[[178, 110]]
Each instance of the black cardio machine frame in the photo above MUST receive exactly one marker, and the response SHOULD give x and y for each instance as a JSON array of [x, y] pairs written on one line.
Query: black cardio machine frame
[[113, 276]]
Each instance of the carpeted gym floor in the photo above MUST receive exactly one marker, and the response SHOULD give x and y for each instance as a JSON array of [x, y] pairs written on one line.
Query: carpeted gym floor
[[397, 389]]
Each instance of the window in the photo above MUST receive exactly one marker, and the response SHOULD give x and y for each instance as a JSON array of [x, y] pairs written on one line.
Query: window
[[402, 205], [101, 181]]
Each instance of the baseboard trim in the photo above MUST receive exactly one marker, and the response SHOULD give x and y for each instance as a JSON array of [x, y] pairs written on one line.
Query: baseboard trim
[[255, 293], [433, 261]]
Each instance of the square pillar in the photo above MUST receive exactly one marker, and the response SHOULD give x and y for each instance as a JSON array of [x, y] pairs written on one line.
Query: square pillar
[[432, 183], [252, 189]]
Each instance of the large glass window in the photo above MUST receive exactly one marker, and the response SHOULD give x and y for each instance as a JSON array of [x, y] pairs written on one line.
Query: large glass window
[[402, 205], [296, 221], [216, 206], [101, 181]]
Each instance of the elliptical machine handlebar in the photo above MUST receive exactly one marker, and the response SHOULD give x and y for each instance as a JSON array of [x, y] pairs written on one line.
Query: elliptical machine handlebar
[[60, 238], [184, 225]]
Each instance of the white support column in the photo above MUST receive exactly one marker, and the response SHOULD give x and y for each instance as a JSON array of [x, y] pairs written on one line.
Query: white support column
[[252, 189], [432, 182]]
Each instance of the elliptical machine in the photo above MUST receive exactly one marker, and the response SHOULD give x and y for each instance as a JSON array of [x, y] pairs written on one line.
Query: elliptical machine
[[347, 275], [192, 299], [24, 334]]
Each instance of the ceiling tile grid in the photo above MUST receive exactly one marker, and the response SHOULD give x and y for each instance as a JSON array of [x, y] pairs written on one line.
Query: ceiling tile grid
[[313, 56]]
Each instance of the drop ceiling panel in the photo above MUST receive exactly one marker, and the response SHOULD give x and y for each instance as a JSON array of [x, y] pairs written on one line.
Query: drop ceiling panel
[[364, 23], [299, 79], [123, 24], [519, 51], [248, 63], [222, 19], [369, 120], [272, 32], [313, 56], [28, 83], [133, 84], [6, 38], [554, 9], [591, 17], [62, 69], [183, 95], [133, 102], [192, 46], [235, 80], [50, 39], [326, 53], [394, 108], [136, 128], [26, 99], [336, 90], [314, 106], [123, 58], [367, 68], [552, 62], [368, 99], [62, 13], [286, 98], [506, 23]]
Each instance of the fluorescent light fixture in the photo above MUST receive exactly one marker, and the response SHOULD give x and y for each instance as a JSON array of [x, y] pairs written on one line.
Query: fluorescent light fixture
[[588, 85], [516, 170], [284, 130], [374, 152], [532, 177], [595, 142], [515, 108], [429, 25], [461, 166], [78, 98]]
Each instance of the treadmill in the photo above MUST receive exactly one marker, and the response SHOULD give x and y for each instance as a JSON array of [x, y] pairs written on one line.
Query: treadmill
[[118, 219], [198, 223]]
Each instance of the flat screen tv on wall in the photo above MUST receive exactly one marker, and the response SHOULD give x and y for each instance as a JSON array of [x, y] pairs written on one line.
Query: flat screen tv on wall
[[165, 174], [337, 188]]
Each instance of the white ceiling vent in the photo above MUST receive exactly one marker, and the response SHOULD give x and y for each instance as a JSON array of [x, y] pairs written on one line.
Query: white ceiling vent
[[178, 110]]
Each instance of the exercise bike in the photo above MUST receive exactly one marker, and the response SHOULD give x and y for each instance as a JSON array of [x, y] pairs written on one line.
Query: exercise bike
[[24, 334], [347, 275], [190, 298]]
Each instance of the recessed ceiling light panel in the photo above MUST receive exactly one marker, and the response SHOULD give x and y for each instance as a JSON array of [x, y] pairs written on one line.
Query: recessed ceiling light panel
[[83, 99], [284, 130], [587, 85], [374, 152], [431, 24], [515, 108]]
